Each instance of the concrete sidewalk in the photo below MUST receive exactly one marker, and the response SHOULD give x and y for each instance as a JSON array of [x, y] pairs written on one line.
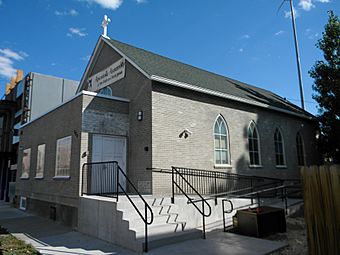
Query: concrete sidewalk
[[51, 238]]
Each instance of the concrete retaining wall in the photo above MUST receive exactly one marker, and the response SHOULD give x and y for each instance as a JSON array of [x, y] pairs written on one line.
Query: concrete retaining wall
[[99, 217]]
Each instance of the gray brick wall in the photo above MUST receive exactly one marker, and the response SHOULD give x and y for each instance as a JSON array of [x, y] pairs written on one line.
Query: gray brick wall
[[137, 88], [64, 121], [174, 110]]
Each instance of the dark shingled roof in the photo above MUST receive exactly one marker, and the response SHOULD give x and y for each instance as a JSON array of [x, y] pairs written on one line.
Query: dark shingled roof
[[154, 64]]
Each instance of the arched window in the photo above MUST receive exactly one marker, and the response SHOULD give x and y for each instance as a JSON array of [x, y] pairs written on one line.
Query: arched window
[[300, 149], [221, 140], [279, 148], [107, 91], [254, 145]]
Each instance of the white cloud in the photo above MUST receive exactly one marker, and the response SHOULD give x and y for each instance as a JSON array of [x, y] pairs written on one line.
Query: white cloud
[[71, 12], [241, 50], [86, 58], [246, 36], [323, 1], [76, 31], [288, 14], [106, 4], [310, 34], [10, 54], [0, 2], [306, 5], [7, 59], [279, 33], [141, 1]]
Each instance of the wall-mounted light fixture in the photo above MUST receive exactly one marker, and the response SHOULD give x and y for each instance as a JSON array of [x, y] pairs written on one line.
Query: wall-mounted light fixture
[[140, 116]]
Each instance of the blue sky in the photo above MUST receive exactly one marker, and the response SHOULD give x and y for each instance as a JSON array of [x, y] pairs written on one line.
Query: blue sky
[[243, 39]]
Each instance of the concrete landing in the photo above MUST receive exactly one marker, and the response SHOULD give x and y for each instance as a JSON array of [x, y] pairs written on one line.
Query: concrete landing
[[50, 238], [219, 242]]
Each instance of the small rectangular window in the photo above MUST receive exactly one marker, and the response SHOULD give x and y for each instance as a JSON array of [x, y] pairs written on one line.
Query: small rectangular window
[[63, 157], [26, 163], [40, 161]]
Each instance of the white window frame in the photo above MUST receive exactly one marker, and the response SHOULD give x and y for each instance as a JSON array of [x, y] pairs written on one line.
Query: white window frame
[[216, 165], [283, 149], [252, 123], [23, 203], [303, 149], [66, 171], [101, 91], [25, 174], [39, 172]]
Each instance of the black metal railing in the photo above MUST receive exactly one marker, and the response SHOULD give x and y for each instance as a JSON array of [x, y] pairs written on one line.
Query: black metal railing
[[180, 183], [105, 179], [283, 192], [100, 178], [218, 184], [224, 211]]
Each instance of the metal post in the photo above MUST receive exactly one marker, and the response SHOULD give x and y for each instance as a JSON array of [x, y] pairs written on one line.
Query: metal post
[[223, 214], [146, 229], [203, 219], [252, 190], [117, 178], [173, 187], [215, 188], [297, 55], [286, 204]]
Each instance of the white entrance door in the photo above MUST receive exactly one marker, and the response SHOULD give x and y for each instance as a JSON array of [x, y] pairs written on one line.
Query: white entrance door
[[109, 148]]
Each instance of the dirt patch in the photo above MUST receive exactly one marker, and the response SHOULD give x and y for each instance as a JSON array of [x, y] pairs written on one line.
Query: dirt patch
[[295, 236], [9, 245]]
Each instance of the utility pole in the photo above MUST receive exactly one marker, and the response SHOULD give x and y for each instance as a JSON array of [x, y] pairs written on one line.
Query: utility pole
[[297, 55]]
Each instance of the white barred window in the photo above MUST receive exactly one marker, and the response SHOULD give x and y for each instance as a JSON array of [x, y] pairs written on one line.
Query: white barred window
[[63, 157], [40, 161], [26, 163]]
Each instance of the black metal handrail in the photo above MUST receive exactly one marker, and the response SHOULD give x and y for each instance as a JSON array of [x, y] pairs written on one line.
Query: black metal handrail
[[218, 184], [190, 200], [284, 196], [224, 211], [113, 170]]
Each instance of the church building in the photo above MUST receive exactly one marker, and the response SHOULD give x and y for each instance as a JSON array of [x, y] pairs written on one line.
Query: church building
[[149, 112]]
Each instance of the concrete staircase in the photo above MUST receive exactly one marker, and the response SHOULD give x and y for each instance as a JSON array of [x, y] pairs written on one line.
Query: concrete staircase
[[119, 222], [168, 226]]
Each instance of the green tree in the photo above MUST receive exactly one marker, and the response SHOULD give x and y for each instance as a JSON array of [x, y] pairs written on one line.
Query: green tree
[[326, 75]]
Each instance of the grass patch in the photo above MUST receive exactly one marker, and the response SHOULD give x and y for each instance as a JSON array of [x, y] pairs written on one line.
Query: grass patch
[[9, 245]]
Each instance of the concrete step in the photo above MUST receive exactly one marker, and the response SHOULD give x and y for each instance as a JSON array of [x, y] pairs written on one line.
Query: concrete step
[[158, 219], [171, 238], [124, 203], [157, 229], [169, 212]]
